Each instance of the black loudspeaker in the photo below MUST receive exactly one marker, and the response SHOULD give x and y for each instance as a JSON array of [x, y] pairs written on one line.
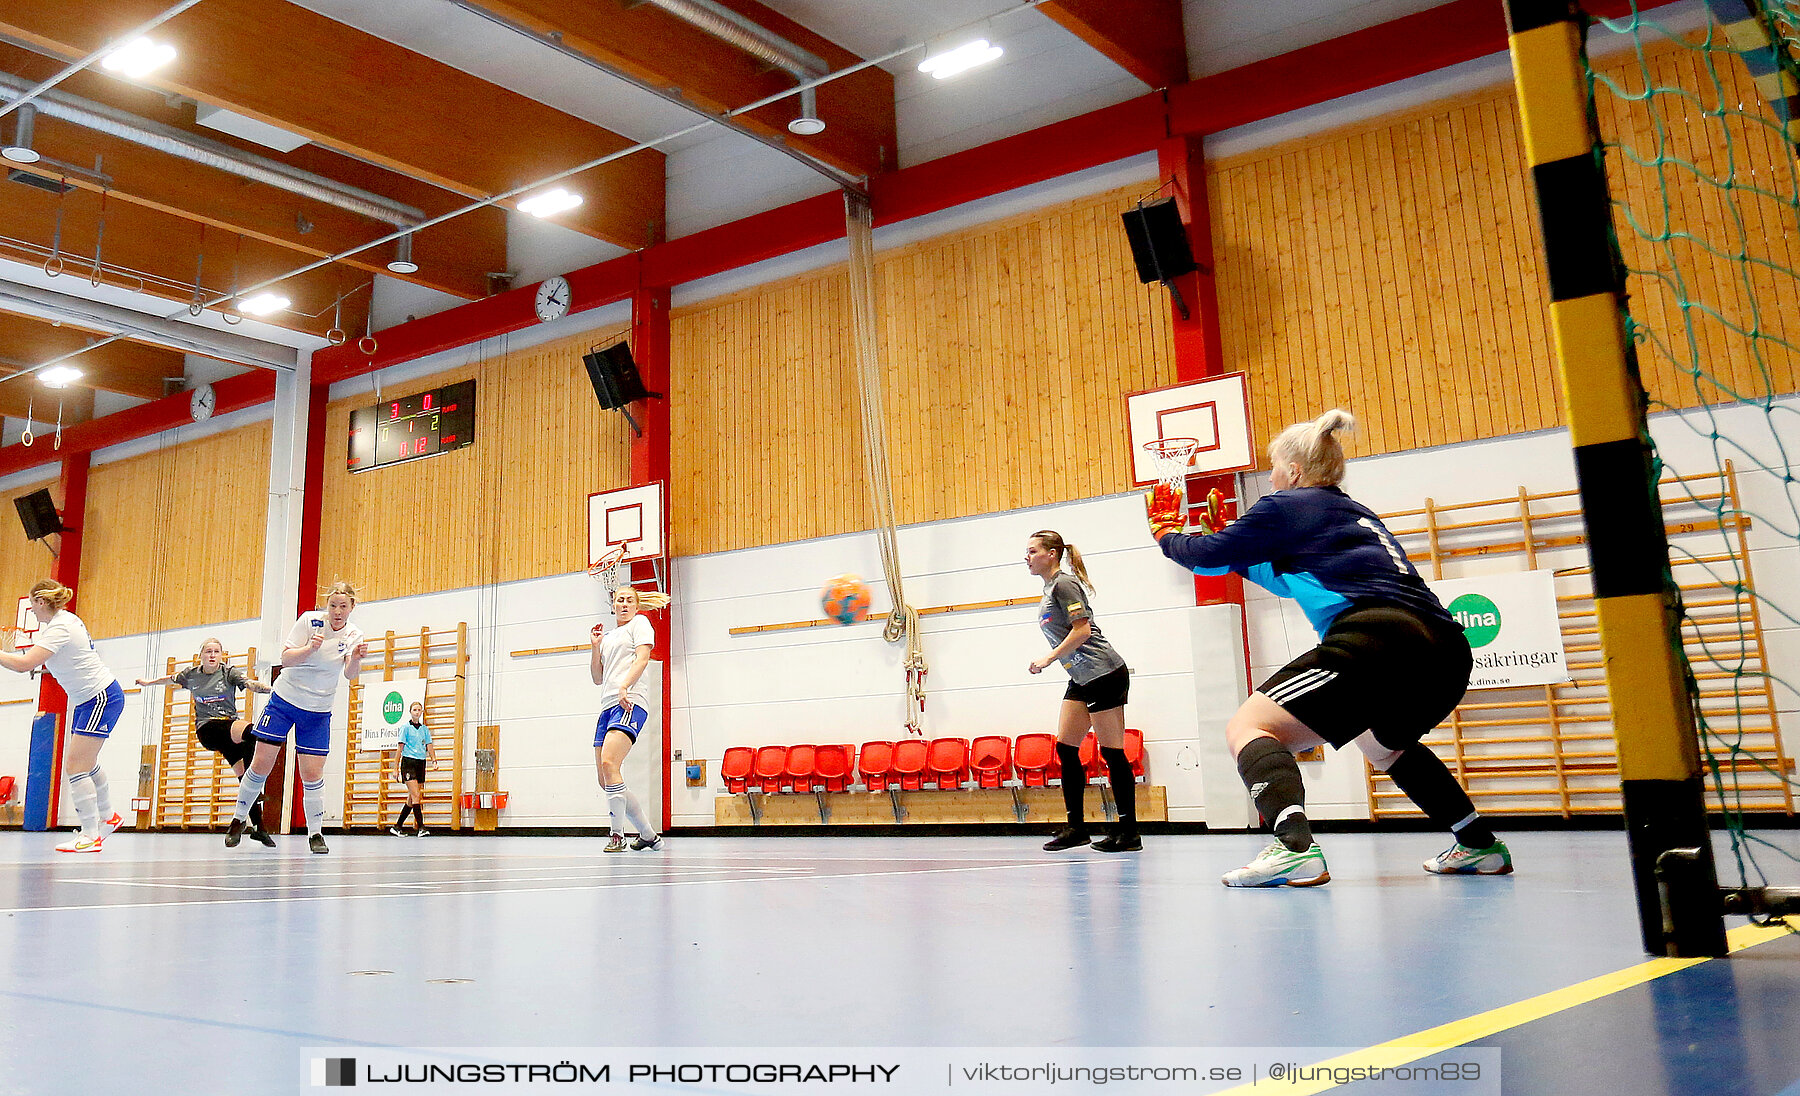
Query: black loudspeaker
[[1159, 243], [37, 512], [614, 376]]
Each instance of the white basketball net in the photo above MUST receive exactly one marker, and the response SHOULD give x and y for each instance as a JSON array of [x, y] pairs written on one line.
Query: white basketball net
[[610, 570], [1173, 458]]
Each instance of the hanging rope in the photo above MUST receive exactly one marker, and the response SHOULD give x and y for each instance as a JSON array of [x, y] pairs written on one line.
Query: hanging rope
[[150, 720], [904, 621]]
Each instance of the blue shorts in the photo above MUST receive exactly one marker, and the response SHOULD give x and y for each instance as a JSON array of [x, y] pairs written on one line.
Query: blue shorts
[[97, 717], [616, 718], [312, 730]]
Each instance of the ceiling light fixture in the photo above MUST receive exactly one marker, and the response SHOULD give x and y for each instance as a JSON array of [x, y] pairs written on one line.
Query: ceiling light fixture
[[549, 203], [19, 149], [957, 54], [402, 262], [137, 59], [264, 304], [59, 376], [809, 122]]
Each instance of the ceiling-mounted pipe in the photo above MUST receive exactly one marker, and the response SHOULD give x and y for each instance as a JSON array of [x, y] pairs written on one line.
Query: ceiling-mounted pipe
[[554, 40], [19, 149], [214, 154], [760, 42], [723, 23], [98, 316]]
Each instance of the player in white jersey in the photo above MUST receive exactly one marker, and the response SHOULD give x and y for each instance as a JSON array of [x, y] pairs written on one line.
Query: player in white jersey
[[321, 648], [616, 664], [63, 647]]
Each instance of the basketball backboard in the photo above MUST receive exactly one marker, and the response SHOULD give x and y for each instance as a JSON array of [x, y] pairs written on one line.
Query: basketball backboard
[[632, 516], [1216, 411], [27, 624]]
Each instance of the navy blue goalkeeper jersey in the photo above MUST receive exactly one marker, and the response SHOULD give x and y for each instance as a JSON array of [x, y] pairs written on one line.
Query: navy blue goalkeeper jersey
[[1318, 546]]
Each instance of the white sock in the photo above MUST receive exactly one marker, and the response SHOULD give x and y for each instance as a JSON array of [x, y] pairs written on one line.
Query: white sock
[[313, 796], [102, 796], [616, 802], [81, 793], [633, 811], [249, 789]]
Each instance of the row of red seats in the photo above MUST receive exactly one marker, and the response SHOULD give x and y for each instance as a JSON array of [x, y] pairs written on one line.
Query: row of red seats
[[991, 761]]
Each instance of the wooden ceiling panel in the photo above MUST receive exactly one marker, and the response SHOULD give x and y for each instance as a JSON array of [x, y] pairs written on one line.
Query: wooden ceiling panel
[[162, 246], [232, 204], [454, 257], [656, 47], [1143, 37], [355, 93], [22, 398], [122, 366]]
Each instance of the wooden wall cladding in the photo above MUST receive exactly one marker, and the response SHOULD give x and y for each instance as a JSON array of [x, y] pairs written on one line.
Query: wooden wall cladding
[[174, 538], [1395, 268], [1007, 349], [512, 505], [21, 561]]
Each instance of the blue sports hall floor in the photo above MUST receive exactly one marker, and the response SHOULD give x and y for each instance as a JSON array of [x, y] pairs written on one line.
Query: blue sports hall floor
[[169, 964]]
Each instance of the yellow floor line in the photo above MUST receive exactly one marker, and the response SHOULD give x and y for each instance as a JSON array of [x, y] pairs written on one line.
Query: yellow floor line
[[1422, 1044]]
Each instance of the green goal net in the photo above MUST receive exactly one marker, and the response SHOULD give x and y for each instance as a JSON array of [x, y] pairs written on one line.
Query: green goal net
[[1695, 107]]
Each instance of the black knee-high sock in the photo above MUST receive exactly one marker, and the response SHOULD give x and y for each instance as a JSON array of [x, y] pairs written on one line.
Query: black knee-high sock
[[1124, 786], [256, 816], [1074, 782], [401, 821], [1273, 777], [1429, 783]]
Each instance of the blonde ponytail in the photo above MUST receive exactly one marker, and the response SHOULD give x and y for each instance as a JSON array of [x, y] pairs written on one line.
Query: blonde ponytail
[[52, 591], [649, 599], [1314, 446]]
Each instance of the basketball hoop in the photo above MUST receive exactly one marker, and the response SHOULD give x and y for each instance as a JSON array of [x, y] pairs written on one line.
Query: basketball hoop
[[1173, 458], [606, 570]]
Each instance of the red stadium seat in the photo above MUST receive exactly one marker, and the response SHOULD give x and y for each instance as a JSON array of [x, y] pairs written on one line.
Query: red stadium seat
[[1134, 752], [910, 756], [801, 766], [947, 762], [771, 769], [990, 759], [831, 767], [737, 767], [876, 764], [1091, 764], [1034, 755]]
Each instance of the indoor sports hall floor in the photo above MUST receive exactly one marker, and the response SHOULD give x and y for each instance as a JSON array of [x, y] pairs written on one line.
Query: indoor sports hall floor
[[170, 964]]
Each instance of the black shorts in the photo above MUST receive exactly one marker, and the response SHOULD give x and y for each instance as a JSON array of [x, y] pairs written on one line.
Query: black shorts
[[1381, 669], [215, 735], [1104, 693], [412, 768]]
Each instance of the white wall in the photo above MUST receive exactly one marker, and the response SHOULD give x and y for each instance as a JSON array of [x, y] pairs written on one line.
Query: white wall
[[845, 684]]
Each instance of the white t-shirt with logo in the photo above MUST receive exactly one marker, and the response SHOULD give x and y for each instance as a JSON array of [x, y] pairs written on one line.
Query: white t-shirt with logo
[[618, 653], [311, 684], [73, 661]]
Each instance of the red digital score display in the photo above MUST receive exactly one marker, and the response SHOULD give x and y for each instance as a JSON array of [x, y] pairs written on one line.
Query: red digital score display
[[419, 425]]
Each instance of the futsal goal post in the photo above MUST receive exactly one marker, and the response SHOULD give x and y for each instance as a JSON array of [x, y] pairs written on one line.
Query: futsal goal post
[[1667, 200]]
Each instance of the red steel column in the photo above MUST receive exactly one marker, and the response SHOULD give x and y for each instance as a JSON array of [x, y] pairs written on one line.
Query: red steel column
[[72, 484], [1198, 353]]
